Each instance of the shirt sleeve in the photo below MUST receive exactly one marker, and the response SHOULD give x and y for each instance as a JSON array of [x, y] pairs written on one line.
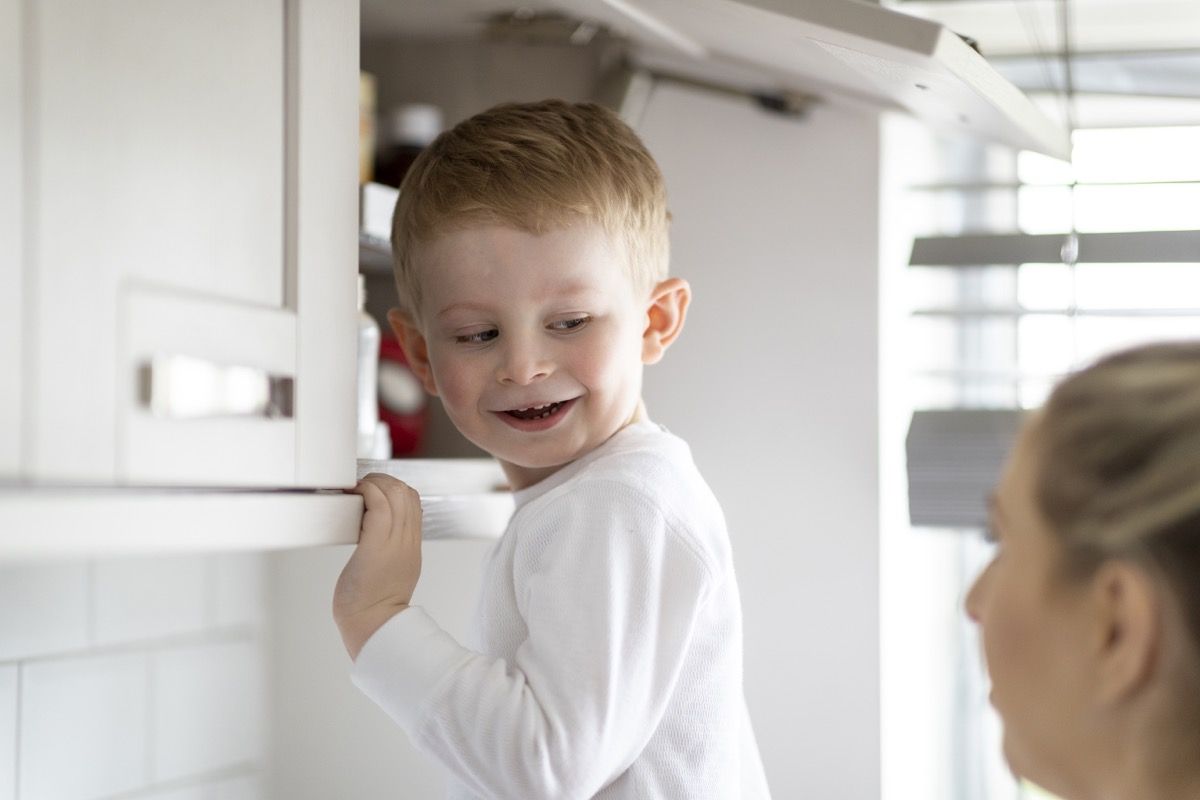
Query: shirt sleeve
[[609, 593]]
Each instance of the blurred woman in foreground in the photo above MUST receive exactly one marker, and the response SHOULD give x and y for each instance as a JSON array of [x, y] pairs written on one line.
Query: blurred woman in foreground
[[1090, 611]]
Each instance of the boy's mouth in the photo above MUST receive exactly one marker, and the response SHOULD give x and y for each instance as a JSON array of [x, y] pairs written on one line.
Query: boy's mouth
[[536, 412], [534, 419]]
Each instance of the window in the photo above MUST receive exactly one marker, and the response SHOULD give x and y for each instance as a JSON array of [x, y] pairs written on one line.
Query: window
[[999, 336]]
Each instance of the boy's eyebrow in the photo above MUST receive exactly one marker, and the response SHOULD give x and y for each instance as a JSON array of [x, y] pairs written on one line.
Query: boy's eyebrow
[[462, 307], [570, 290]]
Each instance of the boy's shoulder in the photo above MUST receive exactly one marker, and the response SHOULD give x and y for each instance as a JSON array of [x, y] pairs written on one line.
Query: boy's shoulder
[[643, 454], [654, 466]]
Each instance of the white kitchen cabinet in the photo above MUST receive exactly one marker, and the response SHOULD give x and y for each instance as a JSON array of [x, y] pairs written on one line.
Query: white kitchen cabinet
[[187, 177], [845, 53]]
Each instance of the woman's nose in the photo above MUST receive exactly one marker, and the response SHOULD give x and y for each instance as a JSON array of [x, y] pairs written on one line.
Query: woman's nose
[[971, 604]]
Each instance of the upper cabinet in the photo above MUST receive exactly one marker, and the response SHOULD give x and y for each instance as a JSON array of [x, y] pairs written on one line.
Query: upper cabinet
[[843, 52], [186, 244]]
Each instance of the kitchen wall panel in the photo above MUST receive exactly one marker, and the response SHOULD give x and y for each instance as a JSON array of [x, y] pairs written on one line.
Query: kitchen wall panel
[[774, 386], [12, 222], [9, 700]]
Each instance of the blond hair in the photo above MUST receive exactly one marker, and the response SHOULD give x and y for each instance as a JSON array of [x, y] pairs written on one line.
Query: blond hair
[[1119, 466], [536, 167]]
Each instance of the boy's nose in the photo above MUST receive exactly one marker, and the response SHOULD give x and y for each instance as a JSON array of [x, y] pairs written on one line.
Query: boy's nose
[[522, 366]]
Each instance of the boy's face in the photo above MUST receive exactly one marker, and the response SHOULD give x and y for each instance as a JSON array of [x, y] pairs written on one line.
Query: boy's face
[[535, 343]]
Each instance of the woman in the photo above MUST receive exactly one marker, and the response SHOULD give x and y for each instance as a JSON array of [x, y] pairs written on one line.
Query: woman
[[1090, 611]]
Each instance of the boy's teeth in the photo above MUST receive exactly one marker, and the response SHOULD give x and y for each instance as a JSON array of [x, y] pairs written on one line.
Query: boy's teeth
[[535, 412]]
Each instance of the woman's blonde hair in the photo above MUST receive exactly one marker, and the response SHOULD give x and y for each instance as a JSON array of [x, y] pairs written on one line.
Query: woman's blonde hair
[[536, 167], [1119, 474]]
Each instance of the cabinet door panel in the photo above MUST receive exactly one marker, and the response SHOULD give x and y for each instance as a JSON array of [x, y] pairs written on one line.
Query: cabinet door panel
[[323, 192], [159, 158], [213, 358], [162, 132]]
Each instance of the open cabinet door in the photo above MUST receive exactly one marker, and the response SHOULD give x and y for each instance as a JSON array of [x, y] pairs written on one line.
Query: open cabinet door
[[192, 202]]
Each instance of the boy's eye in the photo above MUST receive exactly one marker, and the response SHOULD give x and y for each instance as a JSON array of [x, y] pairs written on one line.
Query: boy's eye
[[481, 337], [569, 324]]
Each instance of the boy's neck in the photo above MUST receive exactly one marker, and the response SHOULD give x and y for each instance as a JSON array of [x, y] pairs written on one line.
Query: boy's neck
[[520, 477]]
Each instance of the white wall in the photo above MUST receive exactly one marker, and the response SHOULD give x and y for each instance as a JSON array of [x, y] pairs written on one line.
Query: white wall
[[329, 740], [135, 677], [774, 384]]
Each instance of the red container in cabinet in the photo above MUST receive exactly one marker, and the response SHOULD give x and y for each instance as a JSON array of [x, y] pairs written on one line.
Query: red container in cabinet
[[403, 404]]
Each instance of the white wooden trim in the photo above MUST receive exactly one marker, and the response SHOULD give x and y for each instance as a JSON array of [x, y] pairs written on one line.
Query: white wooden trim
[[37, 524], [322, 233], [460, 499]]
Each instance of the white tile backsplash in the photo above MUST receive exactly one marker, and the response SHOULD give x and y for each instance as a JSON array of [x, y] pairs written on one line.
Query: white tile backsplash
[[247, 788], [239, 589], [110, 702], [83, 727], [43, 609], [200, 792], [144, 598], [8, 732], [243, 787], [208, 706]]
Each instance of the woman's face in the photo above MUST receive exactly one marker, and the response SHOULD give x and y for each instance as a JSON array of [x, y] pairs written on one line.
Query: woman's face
[[1033, 628]]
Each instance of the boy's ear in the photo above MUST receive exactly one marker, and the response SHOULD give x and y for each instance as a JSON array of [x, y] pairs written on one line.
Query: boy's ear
[[415, 348], [664, 317]]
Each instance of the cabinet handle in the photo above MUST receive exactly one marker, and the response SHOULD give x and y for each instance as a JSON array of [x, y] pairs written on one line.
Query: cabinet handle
[[176, 386]]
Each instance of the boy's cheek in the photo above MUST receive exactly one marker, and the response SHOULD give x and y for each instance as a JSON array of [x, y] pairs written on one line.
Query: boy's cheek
[[451, 384], [443, 369]]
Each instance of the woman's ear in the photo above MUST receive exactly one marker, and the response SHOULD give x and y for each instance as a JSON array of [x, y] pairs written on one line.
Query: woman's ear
[[1129, 634], [664, 317], [416, 350]]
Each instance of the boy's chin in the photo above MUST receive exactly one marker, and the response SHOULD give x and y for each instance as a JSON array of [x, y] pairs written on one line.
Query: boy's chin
[[532, 461]]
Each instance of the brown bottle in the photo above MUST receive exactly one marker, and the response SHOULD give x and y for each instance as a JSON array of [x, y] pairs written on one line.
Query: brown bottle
[[410, 128]]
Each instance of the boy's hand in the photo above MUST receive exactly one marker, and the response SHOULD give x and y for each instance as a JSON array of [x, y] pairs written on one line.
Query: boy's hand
[[378, 580]]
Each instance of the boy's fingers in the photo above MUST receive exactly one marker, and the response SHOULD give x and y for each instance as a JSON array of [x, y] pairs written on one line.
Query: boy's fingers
[[372, 479], [399, 495], [372, 494], [385, 483], [397, 499]]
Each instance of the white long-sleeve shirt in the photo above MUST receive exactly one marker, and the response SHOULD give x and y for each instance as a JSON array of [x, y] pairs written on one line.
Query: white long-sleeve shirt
[[608, 660]]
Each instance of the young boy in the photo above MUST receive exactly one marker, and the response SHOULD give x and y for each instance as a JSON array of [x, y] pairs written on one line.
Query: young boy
[[531, 261]]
